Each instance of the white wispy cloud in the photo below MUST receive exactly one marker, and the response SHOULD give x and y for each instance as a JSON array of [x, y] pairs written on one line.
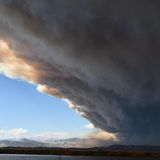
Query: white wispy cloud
[[62, 139], [19, 133], [89, 126], [14, 133]]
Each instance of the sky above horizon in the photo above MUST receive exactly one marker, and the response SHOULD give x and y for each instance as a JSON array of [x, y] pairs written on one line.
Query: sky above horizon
[[102, 58], [24, 109]]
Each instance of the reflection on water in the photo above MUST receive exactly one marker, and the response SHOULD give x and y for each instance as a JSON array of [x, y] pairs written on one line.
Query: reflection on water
[[31, 157]]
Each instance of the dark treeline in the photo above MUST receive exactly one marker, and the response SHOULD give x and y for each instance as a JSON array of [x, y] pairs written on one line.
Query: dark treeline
[[77, 152]]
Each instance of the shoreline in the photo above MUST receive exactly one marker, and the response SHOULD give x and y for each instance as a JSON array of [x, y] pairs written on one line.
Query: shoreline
[[77, 152]]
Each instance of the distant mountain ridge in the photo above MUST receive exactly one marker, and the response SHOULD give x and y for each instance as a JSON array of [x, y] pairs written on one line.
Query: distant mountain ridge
[[134, 147], [72, 142], [21, 143]]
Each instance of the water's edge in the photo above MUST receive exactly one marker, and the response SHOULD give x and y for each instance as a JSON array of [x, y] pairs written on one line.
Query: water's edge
[[77, 152]]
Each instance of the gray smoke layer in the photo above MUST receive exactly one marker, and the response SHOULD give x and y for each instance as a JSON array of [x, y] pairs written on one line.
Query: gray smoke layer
[[102, 55]]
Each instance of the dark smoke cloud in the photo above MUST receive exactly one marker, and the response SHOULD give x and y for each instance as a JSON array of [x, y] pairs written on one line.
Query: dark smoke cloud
[[102, 55]]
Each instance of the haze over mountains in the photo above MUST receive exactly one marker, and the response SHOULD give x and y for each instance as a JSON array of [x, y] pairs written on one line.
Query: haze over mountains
[[66, 143], [75, 143], [21, 143]]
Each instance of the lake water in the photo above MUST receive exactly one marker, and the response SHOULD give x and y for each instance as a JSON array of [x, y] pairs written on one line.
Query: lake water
[[31, 157]]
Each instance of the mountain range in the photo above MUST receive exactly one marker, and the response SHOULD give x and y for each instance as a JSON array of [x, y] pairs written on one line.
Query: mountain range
[[72, 143]]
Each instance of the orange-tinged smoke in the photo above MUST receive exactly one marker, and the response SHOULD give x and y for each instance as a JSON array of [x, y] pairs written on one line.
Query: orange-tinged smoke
[[49, 91], [15, 67], [102, 135]]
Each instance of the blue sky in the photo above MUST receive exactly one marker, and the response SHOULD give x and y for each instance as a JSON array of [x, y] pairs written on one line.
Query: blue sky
[[22, 106]]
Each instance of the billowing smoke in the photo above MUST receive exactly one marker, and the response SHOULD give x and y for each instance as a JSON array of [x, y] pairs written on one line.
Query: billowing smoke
[[101, 55]]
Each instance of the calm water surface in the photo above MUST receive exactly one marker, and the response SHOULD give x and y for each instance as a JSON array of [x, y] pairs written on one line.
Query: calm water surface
[[26, 157]]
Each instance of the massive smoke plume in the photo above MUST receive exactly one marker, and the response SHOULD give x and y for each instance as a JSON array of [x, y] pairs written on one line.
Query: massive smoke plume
[[101, 55]]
